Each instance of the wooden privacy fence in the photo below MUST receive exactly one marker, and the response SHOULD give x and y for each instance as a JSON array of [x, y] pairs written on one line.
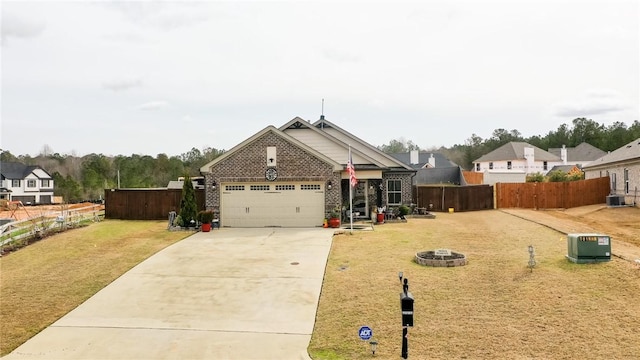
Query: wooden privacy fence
[[472, 177], [552, 195], [145, 204], [459, 198], [548, 195]]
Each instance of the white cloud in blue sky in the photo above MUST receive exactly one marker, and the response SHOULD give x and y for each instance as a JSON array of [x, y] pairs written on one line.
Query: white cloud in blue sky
[[215, 73]]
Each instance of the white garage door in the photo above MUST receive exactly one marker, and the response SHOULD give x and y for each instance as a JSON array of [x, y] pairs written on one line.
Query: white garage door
[[299, 204]]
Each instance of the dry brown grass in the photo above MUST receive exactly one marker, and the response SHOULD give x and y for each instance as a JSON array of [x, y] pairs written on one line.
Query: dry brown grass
[[492, 308], [44, 281]]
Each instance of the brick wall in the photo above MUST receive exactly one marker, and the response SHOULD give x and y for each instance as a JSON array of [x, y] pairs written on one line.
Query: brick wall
[[249, 164]]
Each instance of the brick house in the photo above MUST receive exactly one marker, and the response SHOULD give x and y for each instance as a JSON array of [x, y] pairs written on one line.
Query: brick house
[[295, 175], [623, 168]]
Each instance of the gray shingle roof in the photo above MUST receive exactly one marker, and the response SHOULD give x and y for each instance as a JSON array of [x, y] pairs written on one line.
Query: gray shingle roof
[[423, 158], [14, 170], [515, 151], [582, 152], [631, 151]]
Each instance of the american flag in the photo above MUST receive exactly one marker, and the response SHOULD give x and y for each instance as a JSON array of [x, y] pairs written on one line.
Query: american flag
[[352, 171]]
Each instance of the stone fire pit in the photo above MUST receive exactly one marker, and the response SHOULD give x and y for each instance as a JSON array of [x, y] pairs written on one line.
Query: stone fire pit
[[440, 258]]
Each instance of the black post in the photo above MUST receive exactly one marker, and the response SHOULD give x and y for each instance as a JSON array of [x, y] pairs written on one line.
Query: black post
[[406, 307], [405, 342]]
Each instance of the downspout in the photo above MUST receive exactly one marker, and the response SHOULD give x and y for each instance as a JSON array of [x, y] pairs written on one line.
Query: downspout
[[417, 190]]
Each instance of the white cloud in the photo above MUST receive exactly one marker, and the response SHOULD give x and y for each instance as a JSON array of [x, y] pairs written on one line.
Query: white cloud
[[592, 102], [20, 27], [162, 15], [153, 105], [121, 85]]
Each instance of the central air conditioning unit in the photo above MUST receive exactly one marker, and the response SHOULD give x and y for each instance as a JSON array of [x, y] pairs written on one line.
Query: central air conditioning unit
[[615, 200]]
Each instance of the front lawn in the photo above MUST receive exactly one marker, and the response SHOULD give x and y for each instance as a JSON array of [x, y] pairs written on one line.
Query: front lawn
[[494, 307], [45, 280]]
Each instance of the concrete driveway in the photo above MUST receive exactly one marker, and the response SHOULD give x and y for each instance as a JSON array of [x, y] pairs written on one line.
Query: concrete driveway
[[226, 294]]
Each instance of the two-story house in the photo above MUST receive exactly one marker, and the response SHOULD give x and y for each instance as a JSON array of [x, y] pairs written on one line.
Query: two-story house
[[513, 161], [30, 184], [580, 155]]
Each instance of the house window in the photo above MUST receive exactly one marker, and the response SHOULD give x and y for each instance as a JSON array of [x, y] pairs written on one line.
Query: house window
[[394, 192], [45, 183], [509, 165], [544, 165], [477, 166], [15, 183], [490, 166], [31, 183], [626, 181]]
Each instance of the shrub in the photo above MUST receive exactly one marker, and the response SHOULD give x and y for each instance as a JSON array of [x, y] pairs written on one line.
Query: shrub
[[403, 210], [557, 176], [537, 177], [205, 216]]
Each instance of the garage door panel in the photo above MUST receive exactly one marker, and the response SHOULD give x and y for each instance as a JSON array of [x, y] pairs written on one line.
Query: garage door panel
[[260, 205]]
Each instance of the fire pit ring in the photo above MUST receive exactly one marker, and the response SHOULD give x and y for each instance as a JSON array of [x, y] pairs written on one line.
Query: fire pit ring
[[432, 258]]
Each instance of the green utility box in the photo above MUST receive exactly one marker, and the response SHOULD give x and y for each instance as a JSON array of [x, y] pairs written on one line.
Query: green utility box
[[588, 248]]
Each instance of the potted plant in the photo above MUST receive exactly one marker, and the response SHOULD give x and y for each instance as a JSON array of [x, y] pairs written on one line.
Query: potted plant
[[205, 217], [334, 219], [380, 215]]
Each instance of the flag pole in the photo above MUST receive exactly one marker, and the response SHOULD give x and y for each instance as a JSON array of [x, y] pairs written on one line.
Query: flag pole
[[350, 195]]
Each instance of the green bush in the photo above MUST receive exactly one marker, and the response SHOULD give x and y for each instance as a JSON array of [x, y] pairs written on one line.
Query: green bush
[[403, 210], [205, 216], [537, 177], [557, 176]]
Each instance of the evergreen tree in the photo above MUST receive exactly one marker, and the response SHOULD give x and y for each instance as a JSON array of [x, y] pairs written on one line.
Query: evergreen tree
[[188, 204]]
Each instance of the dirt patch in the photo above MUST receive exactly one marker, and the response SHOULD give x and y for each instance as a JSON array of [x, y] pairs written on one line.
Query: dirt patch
[[26, 212], [621, 223]]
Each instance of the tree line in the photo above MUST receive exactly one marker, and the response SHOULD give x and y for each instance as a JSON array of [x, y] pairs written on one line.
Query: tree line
[[607, 138], [85, 178], [79, 178]]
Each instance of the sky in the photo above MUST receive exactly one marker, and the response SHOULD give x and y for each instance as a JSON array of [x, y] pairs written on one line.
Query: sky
[[151, 77]]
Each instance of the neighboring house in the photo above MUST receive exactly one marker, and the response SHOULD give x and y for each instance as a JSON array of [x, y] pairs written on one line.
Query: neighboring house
[[567, 169], [295, 175], [513, 161], [196, 181], [431, 167], [26, 183], [580, 155], [623, 168]]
